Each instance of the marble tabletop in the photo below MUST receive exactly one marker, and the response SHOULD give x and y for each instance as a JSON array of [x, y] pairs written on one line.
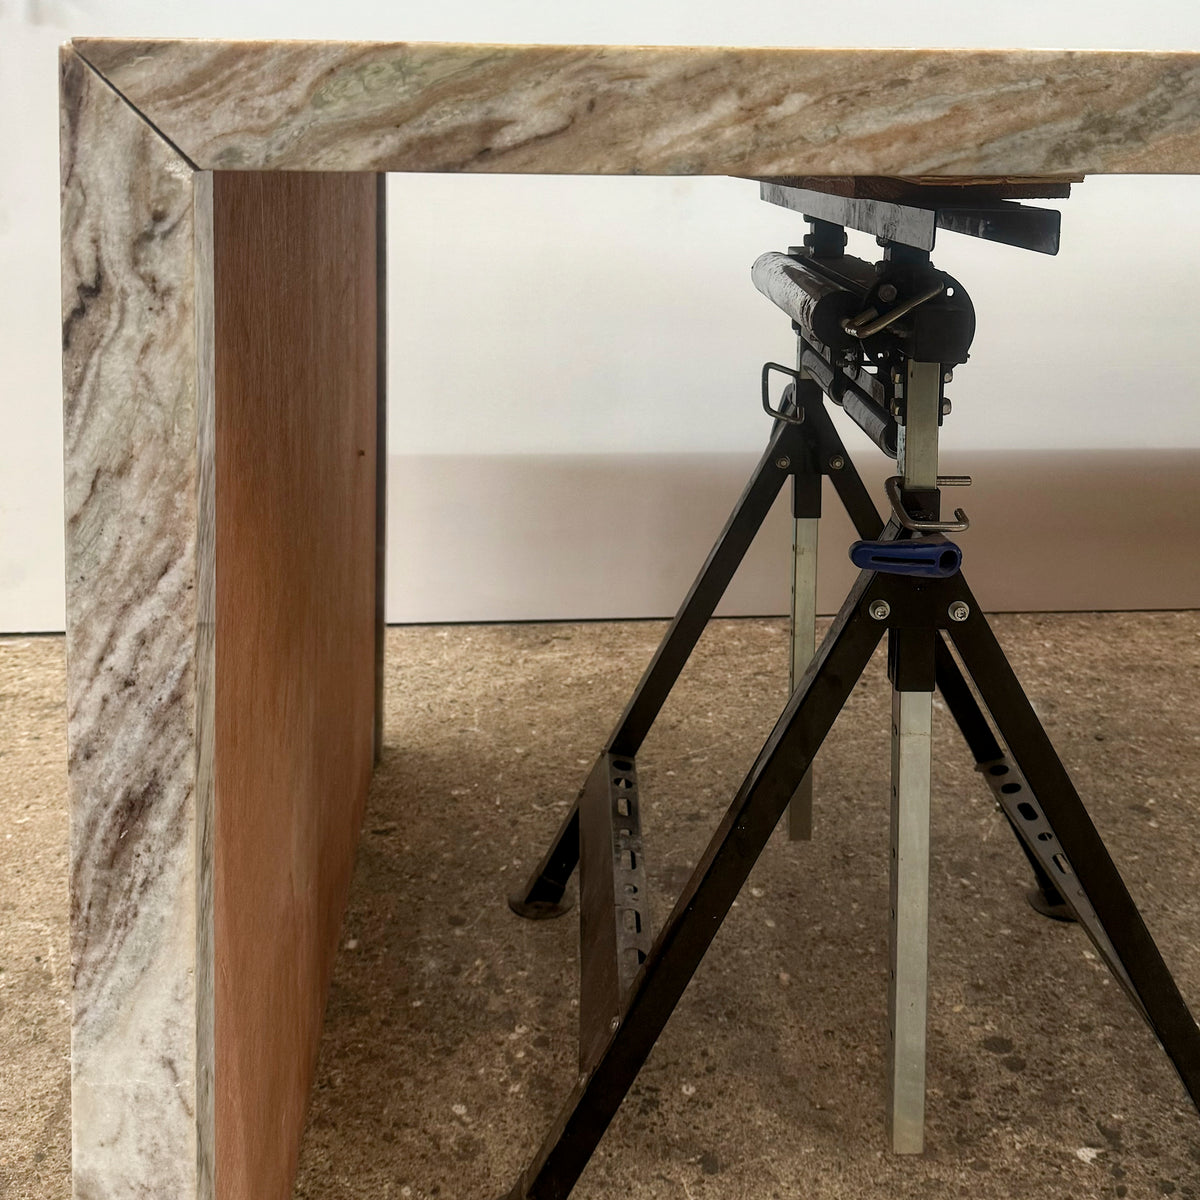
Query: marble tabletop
[[344, 106]]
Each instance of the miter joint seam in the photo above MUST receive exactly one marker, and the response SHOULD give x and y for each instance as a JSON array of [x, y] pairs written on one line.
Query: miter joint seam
[[133, 107]]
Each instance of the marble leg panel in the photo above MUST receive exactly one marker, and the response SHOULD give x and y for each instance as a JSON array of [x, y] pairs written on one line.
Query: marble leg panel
[[220, 388], [139, 651]]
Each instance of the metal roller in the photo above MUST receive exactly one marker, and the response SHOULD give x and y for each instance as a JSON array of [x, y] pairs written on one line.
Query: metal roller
[[813, 303], [870, 416]]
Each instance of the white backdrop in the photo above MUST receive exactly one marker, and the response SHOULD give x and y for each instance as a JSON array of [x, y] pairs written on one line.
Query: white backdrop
[[607, 316]]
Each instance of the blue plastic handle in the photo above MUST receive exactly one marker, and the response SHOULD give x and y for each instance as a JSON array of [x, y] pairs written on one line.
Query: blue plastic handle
[[931, 557]]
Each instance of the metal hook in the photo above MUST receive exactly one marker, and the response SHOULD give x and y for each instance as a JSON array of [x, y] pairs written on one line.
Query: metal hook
[[778, 414]]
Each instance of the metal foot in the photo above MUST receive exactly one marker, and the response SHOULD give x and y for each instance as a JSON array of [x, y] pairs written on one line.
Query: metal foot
[[539, 910], [1041, 903]]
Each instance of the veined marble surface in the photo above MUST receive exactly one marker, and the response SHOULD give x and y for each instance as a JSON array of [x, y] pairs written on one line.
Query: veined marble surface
[[130, 413], [329, 106]]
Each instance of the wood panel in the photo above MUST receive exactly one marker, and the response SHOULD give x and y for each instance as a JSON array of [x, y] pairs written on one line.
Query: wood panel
[[929, 190], [295, 479]]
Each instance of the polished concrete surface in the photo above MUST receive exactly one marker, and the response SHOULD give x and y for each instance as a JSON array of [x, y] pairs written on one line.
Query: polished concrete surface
[[450, 1034]]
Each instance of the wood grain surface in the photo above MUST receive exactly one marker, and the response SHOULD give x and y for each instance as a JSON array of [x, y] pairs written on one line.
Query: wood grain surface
[[930, 190], [295, 321]]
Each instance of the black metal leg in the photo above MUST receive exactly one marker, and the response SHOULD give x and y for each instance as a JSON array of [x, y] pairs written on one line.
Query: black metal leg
[[706, 898], [991, 763], [1117, 928], [786, 444], [847, 482], [542, 894]]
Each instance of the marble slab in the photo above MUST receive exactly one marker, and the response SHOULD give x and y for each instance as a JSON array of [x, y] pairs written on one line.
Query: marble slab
[[661, 111], [133, 285], [143, 124]]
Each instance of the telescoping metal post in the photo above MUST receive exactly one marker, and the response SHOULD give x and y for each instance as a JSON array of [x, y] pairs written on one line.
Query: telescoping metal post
[[806, 520], [911, 667], [823, 238]]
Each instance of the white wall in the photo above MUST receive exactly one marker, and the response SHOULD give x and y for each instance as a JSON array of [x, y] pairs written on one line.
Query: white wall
[[610, 315], [615, 314]]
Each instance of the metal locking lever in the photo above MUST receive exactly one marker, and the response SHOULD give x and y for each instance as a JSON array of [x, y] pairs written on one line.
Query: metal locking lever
[[925, 557], [960, 522]]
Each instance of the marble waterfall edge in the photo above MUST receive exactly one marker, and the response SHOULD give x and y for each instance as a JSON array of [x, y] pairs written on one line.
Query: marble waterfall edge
[[131, 463]]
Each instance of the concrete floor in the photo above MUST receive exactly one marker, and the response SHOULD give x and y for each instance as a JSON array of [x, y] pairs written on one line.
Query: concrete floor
[[450, 1036]]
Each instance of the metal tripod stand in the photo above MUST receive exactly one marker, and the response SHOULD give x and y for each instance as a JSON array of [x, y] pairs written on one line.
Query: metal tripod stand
[[912, 590]]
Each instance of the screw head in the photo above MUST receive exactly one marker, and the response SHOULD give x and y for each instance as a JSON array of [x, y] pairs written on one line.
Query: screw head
[[946, 407], [947, 376], [959, 611], [783, 463], [880, 610], [887, 293], [615, 1024], [837, 462]]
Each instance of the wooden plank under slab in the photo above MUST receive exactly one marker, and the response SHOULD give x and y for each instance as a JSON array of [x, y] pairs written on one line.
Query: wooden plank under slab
[[295, 396], [931, 190]]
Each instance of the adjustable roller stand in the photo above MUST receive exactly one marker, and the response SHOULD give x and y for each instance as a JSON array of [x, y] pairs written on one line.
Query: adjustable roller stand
[[880, 340]]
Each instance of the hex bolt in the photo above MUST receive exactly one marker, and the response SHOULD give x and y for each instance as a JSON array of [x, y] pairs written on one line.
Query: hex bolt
[[783, 463], [959, 611], [837, 462], [880, 610]]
